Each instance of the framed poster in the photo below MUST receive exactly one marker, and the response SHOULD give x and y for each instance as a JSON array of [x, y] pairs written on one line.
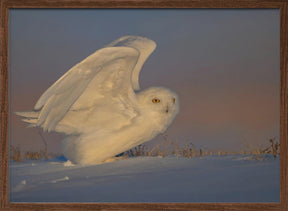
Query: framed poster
[[220, 64]]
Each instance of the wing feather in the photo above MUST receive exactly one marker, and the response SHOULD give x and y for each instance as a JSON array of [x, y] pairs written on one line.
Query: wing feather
[[144, 45], [68, 90]]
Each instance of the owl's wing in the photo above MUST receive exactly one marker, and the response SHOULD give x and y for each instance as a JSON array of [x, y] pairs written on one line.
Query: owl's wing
[[144, 45], [104, 74]]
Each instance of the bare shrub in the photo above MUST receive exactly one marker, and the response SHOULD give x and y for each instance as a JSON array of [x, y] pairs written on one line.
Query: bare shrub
[[264, 154], [15, 154], [163, 149]]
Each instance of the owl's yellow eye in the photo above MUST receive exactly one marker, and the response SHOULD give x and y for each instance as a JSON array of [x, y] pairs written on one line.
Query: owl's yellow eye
[[155, 100], [173, 100]]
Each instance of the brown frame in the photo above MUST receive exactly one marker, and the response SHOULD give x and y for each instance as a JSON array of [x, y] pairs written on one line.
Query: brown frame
[[5, 5]]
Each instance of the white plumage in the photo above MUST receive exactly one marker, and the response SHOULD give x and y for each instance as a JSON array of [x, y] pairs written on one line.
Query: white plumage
[[96, 106]]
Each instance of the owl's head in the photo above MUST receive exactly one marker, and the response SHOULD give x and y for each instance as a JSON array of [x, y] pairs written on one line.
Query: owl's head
[[160, 104]]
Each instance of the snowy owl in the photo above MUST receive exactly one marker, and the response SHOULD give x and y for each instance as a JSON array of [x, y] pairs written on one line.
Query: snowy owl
[[98, 106]]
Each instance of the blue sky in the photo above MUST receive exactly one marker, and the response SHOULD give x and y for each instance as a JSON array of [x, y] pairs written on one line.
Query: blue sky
[[223, 63]]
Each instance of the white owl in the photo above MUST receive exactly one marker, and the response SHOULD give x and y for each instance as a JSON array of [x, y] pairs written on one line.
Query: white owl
[[97, 106]]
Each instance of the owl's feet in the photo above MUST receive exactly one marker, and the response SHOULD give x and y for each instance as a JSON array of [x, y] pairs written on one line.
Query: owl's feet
[[113, 159]]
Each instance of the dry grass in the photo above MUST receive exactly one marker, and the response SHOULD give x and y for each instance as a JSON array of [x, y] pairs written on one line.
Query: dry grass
[[15, 154], [264, 154], [166, 148], [169, 148], [18, 156]]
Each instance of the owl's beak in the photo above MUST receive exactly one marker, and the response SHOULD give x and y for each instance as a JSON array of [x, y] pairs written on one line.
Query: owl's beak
[[167, 109]]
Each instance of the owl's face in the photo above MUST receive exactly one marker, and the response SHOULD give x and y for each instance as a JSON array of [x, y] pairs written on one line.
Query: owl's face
[[159, 104]]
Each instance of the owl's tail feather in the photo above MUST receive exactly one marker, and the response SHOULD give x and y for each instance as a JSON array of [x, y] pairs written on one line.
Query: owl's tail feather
[[30, 117]]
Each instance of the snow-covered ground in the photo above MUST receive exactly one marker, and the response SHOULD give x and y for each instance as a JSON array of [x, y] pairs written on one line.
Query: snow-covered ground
[[148, 179]]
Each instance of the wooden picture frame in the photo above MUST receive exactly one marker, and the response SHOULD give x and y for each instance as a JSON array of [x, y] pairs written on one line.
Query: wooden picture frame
[[282, 5]]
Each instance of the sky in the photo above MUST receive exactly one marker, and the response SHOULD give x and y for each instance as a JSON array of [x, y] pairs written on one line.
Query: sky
[[223, 63]]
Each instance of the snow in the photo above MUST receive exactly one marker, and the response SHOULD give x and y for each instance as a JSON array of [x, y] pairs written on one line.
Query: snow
[[148, 179], [68, 163], [60, 180]]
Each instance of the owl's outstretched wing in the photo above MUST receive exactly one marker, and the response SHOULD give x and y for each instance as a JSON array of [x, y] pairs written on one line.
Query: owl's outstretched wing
[[104, 74], [144, 45]]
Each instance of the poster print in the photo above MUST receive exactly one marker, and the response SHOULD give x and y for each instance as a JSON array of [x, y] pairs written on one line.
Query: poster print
[[222, 67]]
